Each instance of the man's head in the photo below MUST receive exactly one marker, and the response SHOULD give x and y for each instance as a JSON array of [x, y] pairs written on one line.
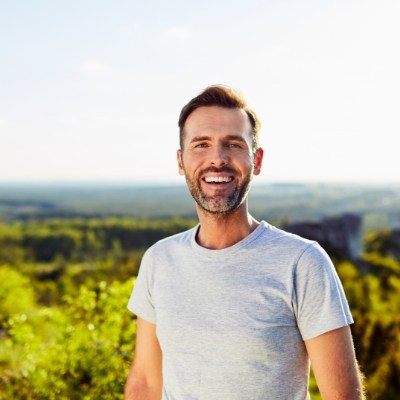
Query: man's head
[[223, 96], [219, 151]]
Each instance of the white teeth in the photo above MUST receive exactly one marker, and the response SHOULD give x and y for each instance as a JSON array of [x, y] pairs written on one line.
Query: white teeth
[[218, 178]]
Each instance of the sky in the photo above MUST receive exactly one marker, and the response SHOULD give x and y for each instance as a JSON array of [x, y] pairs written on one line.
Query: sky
[[92, 90]]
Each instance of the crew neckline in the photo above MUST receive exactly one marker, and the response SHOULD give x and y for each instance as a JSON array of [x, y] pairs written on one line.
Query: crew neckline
[[227, 250]]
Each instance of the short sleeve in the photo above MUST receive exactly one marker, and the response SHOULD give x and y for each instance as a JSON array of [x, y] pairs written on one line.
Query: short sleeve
[[141, 300], [319, 301]]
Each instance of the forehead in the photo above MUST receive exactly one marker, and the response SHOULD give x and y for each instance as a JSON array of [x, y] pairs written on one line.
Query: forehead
[[216, 120]]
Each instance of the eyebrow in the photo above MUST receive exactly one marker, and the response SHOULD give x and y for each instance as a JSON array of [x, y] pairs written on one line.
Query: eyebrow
[[228, 137], [200, 138], [235, 137]]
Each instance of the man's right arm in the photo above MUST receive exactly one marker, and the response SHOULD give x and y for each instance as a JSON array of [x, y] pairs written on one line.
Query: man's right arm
[[145, 376]]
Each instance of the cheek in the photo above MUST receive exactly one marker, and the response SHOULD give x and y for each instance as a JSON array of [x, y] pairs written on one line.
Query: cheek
[[245, 162], [193, 162]]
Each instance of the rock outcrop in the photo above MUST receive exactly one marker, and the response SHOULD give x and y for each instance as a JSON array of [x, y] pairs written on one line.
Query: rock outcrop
[[341, 236]]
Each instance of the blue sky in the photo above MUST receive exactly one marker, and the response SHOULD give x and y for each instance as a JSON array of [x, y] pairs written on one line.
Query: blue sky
[[92, 90]]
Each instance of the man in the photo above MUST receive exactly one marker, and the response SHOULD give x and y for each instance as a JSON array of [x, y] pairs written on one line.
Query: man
[[235, 308]]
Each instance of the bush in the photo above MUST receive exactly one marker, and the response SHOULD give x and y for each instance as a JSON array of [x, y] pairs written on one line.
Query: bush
[[79, 351]]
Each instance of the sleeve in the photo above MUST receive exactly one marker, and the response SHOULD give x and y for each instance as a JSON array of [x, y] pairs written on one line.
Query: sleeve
[[319, 301], [141, 300]]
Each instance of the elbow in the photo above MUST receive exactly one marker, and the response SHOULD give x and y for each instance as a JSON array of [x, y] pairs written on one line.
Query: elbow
[[355, 393], [140, 387], [349, 387], [141, 392]]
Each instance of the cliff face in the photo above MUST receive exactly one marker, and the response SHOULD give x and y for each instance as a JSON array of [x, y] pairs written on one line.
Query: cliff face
[[340, 236]]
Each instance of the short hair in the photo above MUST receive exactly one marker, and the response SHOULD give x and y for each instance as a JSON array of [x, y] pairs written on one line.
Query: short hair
[[223, 96]]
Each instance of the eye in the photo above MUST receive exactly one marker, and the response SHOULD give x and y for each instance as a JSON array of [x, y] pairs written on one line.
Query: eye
[[234, 145], [201, 145]]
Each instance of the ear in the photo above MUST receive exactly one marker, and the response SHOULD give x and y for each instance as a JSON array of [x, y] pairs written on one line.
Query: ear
[[180, 162], [258, 158]]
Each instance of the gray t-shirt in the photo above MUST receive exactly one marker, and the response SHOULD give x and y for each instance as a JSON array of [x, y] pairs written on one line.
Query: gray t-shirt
[[231, 322]]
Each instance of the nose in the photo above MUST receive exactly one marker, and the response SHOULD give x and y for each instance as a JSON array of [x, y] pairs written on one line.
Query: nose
[[219, 156]]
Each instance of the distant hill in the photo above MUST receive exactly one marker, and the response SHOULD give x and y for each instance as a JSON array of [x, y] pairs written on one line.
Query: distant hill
[[284, 202]]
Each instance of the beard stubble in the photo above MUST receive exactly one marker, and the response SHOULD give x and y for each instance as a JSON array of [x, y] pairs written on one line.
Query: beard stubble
[[218, 204]]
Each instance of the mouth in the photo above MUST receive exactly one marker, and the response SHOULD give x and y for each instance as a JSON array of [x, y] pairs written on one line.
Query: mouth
[[218, 181]]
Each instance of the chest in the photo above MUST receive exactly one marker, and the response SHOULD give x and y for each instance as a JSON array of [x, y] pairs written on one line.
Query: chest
[[203, 307]]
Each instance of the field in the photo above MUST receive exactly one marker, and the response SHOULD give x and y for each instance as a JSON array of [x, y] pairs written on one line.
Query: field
[[69, 257]]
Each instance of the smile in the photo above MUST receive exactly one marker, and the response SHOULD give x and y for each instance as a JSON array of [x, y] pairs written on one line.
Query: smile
[[218, 179]]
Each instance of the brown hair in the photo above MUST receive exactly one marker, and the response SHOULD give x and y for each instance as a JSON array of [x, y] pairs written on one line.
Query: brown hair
[[223, 96]]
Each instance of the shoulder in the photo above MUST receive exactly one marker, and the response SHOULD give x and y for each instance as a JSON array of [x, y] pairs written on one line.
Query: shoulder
[[314, 261], [287, 241]]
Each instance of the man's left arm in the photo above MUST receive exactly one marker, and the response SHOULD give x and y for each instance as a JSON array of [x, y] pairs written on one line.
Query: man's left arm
[[335, 366]]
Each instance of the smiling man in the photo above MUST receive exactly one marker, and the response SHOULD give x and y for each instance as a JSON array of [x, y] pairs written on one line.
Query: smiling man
[[236, 308]]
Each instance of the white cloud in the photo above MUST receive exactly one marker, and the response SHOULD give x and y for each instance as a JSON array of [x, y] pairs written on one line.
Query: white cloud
[[95, 67], [177, 34]]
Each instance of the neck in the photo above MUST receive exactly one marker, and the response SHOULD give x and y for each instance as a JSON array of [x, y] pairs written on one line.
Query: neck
[[218, 231]]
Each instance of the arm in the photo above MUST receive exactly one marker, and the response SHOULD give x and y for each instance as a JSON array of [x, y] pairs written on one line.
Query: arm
[[145, 376], [335, 366]]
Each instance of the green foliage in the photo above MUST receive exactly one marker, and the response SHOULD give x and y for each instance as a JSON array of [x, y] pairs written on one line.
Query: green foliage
[[82, 239], [374, 299], [16, 293], [65, 331], [81, 350], [382, 241], [313, 388]]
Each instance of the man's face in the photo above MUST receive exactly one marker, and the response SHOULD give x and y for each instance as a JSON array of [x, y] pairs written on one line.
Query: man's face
[[217, 158]]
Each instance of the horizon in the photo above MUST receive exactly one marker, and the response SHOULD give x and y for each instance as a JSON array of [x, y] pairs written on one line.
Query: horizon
[[139, 183]]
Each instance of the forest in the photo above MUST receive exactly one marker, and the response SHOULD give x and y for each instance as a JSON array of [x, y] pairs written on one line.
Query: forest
[[65, 331]]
